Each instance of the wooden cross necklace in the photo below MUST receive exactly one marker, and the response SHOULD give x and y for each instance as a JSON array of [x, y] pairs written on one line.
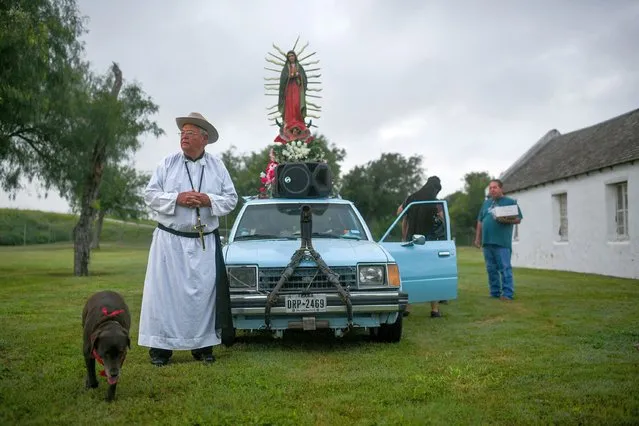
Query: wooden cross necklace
[[200, 226]]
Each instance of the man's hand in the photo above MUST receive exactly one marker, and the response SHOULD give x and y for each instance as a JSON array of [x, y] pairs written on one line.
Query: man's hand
[[187, 199], [477, 243], [193, 199], [203, 199]]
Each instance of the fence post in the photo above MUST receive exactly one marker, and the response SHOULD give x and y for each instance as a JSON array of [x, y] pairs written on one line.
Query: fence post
[[24, 235]]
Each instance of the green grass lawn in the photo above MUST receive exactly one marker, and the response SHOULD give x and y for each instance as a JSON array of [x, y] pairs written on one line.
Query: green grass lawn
[[563, 352]]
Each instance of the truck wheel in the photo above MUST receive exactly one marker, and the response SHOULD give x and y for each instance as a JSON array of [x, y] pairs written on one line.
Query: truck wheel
[[374, 333], [391, 333], [229, 338]]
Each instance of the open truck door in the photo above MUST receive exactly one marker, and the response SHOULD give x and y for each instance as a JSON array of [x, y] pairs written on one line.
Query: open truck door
[[427, 261]]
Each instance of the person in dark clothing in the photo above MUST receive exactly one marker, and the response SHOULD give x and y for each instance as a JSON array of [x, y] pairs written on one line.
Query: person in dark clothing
[[423, 219]]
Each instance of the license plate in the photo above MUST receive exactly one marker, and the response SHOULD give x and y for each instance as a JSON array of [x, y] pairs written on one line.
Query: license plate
[[304, 303]]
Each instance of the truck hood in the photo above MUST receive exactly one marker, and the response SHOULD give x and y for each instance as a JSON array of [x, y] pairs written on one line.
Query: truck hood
[[278, 253]]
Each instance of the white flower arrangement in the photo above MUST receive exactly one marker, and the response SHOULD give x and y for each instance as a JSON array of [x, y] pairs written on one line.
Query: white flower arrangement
[[294, 151]]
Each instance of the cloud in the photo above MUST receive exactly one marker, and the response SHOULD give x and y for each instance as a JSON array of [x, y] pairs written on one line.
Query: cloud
[[468, 85], [410, 127]]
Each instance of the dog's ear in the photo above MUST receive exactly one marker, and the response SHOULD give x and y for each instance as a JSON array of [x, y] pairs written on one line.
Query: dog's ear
[[128, 338], [94, 340]]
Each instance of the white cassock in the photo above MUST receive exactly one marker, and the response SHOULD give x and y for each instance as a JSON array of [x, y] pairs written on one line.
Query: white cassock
[[178, 302]]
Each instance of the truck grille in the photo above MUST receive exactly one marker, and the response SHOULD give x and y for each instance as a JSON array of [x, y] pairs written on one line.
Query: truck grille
[[307, 278]]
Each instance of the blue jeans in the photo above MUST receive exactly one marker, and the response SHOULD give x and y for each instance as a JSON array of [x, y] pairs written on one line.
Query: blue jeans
[[500, 271]]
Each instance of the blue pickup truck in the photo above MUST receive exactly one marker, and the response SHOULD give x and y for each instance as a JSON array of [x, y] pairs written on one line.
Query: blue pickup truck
[[312, 264]]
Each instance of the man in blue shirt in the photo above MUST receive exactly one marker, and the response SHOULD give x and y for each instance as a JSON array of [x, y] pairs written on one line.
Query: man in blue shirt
[[495, 235]]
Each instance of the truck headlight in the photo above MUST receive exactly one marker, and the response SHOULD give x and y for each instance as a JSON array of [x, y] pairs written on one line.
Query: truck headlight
[[371, 274], [242, 276]]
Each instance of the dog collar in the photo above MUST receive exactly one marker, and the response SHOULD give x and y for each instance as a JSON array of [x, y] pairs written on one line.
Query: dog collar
[[112, 314]]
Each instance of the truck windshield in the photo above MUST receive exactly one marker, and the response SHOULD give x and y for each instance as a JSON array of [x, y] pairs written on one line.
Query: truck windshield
[[282, 221]]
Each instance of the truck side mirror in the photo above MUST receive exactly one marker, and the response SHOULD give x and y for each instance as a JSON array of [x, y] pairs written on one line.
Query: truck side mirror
[[417, 239]]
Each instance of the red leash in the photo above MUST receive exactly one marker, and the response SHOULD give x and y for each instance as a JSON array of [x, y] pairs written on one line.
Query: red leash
[[98, 359]]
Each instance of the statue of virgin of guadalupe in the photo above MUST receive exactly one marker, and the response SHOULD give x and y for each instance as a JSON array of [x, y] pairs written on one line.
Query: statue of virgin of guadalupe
[[292, 96], [294, 141]]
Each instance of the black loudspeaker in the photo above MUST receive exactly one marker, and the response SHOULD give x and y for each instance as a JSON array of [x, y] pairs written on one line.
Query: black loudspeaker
[[302, 180]]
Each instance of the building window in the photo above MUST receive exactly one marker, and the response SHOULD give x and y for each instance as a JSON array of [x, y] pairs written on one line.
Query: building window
[[560, 217], [620, 210]]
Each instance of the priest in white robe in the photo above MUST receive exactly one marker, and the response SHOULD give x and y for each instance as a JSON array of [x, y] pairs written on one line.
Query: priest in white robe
[[186, 300]]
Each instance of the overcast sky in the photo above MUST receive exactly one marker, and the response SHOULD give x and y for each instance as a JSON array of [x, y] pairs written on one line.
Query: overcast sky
[[469, 85]]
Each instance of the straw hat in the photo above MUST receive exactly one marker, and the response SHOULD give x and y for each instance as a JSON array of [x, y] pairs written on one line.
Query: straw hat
[[198, 120]]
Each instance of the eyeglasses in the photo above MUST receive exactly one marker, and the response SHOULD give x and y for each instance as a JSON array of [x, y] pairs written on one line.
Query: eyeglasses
[[187, 132]]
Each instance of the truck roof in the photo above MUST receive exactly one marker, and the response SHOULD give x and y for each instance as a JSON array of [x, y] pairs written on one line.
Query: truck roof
[[330, 200]]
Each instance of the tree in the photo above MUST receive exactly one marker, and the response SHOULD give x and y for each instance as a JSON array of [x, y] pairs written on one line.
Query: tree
[[40, 66], [334, 156], [244, 170], [112, 119], [464, 205], [59, 122], [380, 186]]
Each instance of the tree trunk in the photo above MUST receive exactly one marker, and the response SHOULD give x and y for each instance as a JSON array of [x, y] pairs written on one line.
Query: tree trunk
[[82, 244], [97, 230], [82, 230]]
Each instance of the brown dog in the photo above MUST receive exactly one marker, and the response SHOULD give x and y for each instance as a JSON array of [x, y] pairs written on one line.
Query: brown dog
[[106, 321]]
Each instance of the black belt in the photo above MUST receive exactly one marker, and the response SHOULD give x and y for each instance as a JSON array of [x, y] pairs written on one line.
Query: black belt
[[183, 234]]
